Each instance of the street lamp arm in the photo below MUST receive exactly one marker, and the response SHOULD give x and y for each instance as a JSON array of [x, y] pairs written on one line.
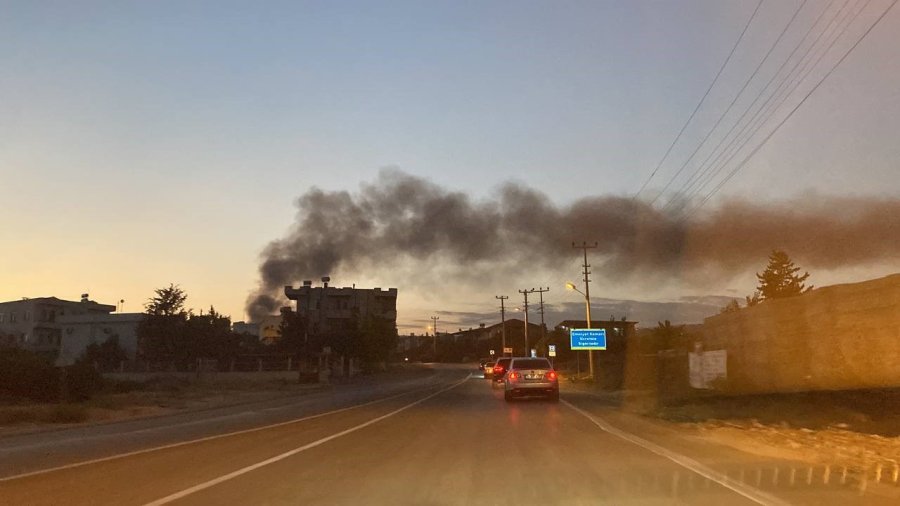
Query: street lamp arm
[[571, 286]]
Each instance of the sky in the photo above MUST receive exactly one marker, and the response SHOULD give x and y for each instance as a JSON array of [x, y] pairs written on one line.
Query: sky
[[148, 143]]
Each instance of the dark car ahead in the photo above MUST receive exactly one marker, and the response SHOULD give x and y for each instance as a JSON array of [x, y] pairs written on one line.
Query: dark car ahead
[[499, 370]]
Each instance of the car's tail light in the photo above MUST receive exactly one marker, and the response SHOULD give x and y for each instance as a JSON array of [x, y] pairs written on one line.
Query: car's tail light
[[513, 375], [498, 369], [551, 376]]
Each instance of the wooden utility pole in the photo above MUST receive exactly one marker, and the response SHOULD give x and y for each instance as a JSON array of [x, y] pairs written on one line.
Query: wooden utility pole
[[587, 295], [541, 291], [502, 321], [434, 319], [525, 293]]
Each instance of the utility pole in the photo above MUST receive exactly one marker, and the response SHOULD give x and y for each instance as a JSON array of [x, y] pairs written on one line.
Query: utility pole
[[434, 337], [502, 321], [525, 293], [587, 295], [541, 291]]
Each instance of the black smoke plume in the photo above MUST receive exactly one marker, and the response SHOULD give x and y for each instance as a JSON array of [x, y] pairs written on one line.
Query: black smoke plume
[[403, 218]]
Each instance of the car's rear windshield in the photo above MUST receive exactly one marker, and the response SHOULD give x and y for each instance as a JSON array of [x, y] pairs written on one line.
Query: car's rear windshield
[[532, 363], [503, 362]]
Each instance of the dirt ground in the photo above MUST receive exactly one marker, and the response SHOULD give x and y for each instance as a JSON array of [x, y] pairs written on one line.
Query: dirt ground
[[855, 429]]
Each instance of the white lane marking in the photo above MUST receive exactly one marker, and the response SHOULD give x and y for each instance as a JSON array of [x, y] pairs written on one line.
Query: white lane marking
[[207, 438], [754, 494], [211, 483]]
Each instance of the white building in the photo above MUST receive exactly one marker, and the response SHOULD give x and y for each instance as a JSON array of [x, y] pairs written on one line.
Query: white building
[[62, 329], [81, 331]]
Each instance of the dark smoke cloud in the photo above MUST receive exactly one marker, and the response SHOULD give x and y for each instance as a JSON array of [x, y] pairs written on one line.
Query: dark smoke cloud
[[403, 218]]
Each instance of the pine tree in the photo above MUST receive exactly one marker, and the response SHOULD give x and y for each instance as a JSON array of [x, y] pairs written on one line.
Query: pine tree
[[780, 278]]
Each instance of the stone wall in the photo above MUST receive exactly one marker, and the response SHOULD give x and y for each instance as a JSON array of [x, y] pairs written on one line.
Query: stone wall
[[833, 338]]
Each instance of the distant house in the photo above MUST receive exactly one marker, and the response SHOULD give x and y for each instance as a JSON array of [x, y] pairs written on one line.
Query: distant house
[[267, 329], [250, 329], [490, 337], [62, 329]]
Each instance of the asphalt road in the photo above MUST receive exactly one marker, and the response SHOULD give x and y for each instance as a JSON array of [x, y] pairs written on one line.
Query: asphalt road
[[446, 438]]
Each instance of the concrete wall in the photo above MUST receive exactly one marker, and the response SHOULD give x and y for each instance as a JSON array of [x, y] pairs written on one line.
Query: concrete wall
[[833, 338]]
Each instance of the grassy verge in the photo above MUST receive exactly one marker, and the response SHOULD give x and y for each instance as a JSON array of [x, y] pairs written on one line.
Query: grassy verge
[[128, 397], [44, 413]]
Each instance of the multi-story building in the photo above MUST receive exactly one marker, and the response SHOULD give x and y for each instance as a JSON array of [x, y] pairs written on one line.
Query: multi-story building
[[62, 329], [330, 309], [34, 324]]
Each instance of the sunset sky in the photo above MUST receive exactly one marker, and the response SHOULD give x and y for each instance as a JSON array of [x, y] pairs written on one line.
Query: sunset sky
[[148, 143]]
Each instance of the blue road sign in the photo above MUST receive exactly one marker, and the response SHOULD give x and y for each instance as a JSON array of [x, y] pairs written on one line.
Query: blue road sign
[[587, 339]]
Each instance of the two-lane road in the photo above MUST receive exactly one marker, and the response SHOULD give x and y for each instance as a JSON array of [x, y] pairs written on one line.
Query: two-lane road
[[450, 440]]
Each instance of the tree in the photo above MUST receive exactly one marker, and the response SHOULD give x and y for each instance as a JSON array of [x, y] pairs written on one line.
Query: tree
[[106, 355], [731, 307], [780, 278], [753, 300], [376, 339], [168, 301], [293, 335], [670, 336], [209, 336], [161, 334]]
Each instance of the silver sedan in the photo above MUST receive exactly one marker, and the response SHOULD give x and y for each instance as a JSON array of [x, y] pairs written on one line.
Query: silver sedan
[[531, 377]]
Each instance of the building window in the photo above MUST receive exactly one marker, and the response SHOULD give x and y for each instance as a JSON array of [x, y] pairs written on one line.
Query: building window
[[27, 316], [2, 317], [12, 317]]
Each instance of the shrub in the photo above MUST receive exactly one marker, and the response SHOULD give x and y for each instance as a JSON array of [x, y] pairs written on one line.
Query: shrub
[[17, 414], [25, 375], [82, 380], [66, 413], [122, 386]]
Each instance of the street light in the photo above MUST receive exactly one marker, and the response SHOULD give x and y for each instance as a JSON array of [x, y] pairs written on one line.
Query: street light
[[587, 310]]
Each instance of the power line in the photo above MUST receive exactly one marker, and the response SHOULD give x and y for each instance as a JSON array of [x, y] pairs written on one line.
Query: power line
[[699, 104], [733, 101], [767, 108], [772, 104], [703, 169], [796, 107]]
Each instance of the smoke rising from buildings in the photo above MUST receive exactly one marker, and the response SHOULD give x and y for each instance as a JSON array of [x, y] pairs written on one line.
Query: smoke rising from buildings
[[403, 218]]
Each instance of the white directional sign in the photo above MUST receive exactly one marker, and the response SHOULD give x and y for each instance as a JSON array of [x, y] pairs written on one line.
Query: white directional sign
[[492, 353], [551, 350]]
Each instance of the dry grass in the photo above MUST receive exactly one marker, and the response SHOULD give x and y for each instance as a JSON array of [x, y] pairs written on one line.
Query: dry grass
[[43, 413]]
